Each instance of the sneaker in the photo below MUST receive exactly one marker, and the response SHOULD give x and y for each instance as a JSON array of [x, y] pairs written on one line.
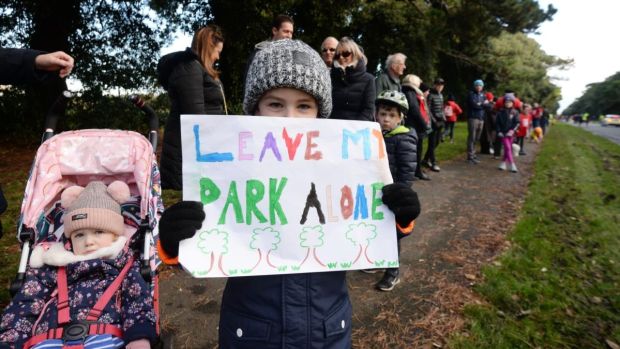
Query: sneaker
[[435, 168], [513, 168], [370, 271], [491, 151], [473, 161], [388, 282], [502, 166], [522, 153], [423, 176]]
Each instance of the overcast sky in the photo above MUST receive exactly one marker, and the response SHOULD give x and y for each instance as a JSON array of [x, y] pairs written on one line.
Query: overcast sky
[[584, 30]]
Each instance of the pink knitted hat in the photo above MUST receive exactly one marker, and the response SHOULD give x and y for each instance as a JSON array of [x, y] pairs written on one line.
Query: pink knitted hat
[[94, 207]]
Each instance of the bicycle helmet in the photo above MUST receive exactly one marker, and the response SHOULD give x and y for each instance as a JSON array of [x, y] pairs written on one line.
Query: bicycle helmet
[[394, 98]]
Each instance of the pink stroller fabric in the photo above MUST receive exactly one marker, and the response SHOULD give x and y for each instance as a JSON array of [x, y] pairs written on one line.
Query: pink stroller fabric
[[79, 157]]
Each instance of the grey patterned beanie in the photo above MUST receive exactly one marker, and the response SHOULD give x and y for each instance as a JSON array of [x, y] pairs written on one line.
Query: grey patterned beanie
[[288, 63]]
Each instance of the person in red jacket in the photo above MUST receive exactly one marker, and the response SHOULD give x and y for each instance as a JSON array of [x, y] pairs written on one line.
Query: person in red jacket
[[452, 111], [525, 122], [499, 104]]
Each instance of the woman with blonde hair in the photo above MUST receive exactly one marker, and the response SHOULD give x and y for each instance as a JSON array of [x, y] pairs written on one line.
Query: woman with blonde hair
[[353, 88], [194, 87]]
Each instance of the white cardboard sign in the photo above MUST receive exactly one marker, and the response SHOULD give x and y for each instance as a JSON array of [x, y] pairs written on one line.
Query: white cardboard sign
[[285, 195]]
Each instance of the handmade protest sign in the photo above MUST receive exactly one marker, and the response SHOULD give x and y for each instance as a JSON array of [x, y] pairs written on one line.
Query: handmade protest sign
[[285, 195]]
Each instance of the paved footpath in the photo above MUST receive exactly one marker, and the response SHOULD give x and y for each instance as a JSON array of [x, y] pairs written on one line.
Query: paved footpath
[[466, 212]]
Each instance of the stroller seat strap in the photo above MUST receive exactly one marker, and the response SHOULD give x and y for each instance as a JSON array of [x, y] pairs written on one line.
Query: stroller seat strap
[[64, 316], [97, 309], [57, 333], [87, 327]]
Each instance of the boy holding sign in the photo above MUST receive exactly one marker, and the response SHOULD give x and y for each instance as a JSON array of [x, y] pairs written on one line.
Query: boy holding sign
[[308, 310]]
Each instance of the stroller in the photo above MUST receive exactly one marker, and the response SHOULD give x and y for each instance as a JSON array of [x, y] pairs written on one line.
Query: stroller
[[77, 158]]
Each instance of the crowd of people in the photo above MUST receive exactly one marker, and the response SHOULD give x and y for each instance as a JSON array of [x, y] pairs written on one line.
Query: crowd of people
[[286, 77]]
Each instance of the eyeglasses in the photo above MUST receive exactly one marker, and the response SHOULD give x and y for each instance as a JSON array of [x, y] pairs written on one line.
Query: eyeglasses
[[343, 54], [331, 49]]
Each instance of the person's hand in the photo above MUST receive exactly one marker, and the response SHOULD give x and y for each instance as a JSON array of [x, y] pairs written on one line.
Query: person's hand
[[55, 61], [139, 344], [510, 133], [179, 222], [403, 201], [500, 135]]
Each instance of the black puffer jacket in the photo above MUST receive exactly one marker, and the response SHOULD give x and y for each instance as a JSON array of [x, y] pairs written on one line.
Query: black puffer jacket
[[507, 120], [401, 146], [17, 66], [435, 105], [192, 91], [353, 93]]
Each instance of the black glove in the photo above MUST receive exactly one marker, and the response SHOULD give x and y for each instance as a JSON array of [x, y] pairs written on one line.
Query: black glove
[[403, 201], [179, 222]]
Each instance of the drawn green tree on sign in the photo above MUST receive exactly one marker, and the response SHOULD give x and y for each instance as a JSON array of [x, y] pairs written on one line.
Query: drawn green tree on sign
[[311, 238], [360, 235], [214, 242], [266, 239]]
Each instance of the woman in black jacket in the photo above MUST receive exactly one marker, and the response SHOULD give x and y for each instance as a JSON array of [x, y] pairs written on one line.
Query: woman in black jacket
[[194, 87], [353, 89], [417, 117]]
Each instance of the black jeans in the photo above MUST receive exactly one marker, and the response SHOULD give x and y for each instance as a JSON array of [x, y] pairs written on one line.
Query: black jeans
[[433, 142], [449, 130], [521, 144], [420, 151]]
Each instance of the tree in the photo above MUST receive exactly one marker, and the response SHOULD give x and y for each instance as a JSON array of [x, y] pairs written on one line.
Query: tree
[[114, 43], [516, 62], [599, 98]]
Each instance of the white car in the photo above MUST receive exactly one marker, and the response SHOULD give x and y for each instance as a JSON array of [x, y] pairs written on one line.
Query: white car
[[611, 119]]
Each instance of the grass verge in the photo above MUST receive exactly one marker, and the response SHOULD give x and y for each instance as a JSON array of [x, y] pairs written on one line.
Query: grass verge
[[448, 151], [13, 179], [557, 286]]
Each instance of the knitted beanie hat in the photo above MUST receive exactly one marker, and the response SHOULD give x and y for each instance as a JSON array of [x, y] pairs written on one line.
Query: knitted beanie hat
[[288, 63], [509, 97], [94, 207]]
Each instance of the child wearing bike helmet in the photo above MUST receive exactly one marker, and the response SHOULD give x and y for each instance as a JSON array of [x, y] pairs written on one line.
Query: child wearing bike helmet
[[401, 145]]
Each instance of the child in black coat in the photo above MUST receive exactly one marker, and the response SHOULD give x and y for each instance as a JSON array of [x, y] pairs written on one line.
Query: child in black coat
[[401, 147]]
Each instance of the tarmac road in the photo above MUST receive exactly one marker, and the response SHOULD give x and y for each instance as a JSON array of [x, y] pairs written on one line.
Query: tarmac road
[[610, 132]]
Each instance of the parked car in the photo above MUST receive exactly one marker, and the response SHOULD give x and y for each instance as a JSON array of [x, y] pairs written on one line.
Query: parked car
[[611, 119]]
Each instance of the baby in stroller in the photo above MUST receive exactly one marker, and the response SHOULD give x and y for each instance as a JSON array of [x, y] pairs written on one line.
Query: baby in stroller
[[85, 292]]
